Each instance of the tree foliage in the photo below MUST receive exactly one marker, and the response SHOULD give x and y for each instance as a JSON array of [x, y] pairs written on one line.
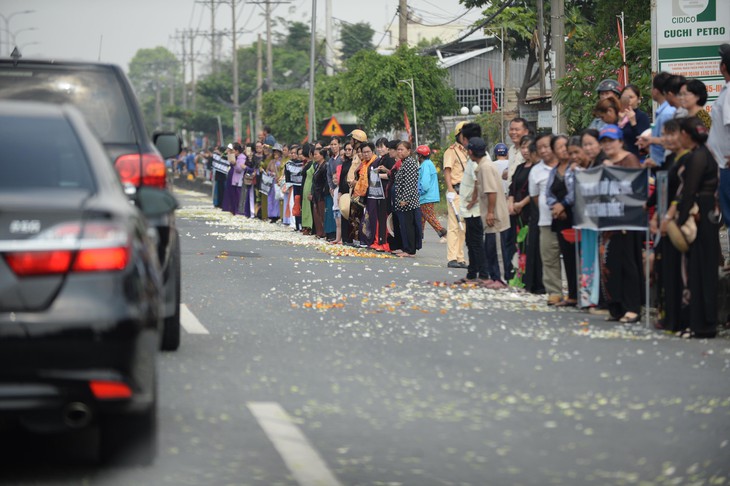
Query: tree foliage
[[590, 24], [354, 38], [153, 73], [374, 94], [521, 35], [576, 91], [284, 111]]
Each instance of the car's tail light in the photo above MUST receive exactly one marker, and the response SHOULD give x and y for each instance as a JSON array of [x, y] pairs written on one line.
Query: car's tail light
[[109, 390], [142, 170], [90, 247], [28, 263]]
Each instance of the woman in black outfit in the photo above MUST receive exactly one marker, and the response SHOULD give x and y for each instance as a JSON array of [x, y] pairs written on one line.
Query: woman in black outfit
[[407, 201], [294, 176], [521, 211], [621, 252], [344, 188], [395, 242], [320, 189], [698, 185], [560, 198], [673, 316]]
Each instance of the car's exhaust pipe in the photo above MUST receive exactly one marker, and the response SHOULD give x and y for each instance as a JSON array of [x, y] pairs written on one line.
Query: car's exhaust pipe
[[77, 415]]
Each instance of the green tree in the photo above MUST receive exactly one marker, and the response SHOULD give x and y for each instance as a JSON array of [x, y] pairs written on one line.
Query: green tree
[[354, 38], [284, 110], [424, 43], [374, 94], [153, 73], [291, 72], [576, 91], [521, 35], [299, 37]]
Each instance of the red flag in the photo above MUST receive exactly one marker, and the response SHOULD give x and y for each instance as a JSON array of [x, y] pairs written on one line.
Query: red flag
[[248, 133], [495, 106], [407, 123], [623, 75]]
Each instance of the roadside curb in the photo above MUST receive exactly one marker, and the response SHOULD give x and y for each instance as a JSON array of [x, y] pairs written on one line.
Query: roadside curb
[[198, 185]]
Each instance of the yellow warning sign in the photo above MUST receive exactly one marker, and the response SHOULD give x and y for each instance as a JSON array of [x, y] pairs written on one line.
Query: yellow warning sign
[[333, 129]]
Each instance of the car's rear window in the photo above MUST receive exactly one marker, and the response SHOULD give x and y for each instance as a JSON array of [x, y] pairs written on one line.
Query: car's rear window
[[42, 153], [96, 93]]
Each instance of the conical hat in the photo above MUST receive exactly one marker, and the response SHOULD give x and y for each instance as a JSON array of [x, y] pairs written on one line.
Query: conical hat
[[389, 225], [344, 204]]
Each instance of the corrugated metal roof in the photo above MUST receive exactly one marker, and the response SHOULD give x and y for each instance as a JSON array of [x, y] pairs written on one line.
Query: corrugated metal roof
[[448, 62]]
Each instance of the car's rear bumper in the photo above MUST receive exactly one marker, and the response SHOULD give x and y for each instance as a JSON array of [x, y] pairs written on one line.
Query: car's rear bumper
[[42, 378], [47, 359]]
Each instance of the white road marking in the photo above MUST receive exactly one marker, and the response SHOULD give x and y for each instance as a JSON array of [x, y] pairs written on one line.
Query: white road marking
[[191, 323], [300, 457]]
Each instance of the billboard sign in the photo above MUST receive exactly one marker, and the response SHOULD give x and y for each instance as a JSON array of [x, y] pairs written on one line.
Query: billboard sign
[[688, 34]]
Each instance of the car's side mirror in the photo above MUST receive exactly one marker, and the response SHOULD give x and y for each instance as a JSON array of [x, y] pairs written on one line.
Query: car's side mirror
[[154, 202], [168, 143]]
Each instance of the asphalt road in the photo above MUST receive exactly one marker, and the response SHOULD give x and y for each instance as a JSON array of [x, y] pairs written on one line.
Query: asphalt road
[[302, 366]]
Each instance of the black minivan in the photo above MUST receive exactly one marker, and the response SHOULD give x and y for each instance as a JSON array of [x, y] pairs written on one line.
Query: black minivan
[[105, 97]]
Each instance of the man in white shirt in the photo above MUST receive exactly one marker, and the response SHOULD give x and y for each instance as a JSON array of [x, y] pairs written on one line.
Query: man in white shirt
[[549, 249], [517, 129], [719, 139], [471, 216]]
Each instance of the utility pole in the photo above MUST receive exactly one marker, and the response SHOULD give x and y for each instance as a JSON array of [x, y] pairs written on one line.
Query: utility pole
[[158, 100], [212, 36], [192, 69], [236, 108], [540, 48], [269, 49], [557, 23], [312, 45], [259, 86], [172, 94], [184, 64], [211, 4], [328, 39], [402, 23], [269, 54]]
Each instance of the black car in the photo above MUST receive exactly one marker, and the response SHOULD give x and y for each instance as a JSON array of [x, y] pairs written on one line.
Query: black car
[[104, 95], [80, 284]]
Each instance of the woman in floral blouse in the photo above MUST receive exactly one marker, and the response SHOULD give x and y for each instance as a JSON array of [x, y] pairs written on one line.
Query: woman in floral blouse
[[407, 203]]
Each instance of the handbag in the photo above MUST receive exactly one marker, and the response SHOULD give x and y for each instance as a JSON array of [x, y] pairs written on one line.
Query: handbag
[[683, 236], [248, 179], [297, 209]]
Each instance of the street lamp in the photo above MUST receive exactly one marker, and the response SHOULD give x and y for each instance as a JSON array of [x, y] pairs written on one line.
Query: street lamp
[[7, 25], [409, 82], [475, 110], [15, 34]]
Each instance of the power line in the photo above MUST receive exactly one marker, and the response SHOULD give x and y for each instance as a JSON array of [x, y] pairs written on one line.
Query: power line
[[387, 29], [504, 5], [441, 25], [436, 6]]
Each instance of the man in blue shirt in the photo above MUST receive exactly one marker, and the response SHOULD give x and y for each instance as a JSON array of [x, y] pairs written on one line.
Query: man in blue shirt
[[268, 137], [663, 113]]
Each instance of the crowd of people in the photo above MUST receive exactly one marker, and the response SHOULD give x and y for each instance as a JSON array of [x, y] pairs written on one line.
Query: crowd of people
[[355, 192], [510, 220]]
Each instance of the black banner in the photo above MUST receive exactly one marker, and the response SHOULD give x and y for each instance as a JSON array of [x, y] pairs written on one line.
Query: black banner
[[220, 164], [611, 198]]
